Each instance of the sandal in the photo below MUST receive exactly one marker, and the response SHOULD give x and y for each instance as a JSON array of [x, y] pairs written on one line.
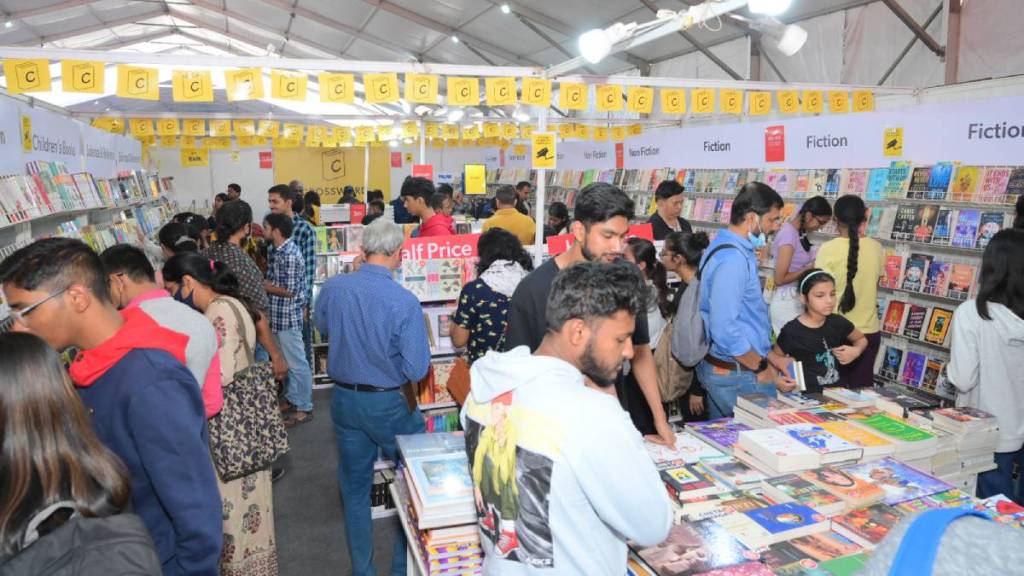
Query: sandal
[[298, 417], [285, 406]]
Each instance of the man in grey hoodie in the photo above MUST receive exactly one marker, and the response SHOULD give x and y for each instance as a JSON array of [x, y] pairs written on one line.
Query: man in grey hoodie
[[561, 475]]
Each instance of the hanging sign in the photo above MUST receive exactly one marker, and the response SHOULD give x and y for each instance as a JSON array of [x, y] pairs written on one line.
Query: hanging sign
[[760, 103], [138, 82], [863, 101], [194, 127], [475, 179], [82, 76], [381, 88], [640, 99], [168, 127], [731, 101], [288, 85], [244, 84], [396, 159], [191, 86], [789, 101], [673, 101], [572, 96], [814, 102], [423, 171], [461, 246], [703, 100], [500, 91], [463, 91], [337, 88], [266, 159], [27, 75], [191, 158], [609, 98], [838, 102], [775, 144], [421, 88], [536, 92], [543, 153], [892, 142], [563, 242]]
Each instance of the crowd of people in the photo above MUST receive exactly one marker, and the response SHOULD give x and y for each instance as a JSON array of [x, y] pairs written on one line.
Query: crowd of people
[[579, 347]]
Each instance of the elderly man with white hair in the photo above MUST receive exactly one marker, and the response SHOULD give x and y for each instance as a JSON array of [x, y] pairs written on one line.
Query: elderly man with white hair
[[378, 348]]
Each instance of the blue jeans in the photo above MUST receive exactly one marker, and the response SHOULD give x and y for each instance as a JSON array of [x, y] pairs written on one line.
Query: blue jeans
[[723, 389], [364, 421], [307, 337], [299, 390], [260, 353], [1000, 480]]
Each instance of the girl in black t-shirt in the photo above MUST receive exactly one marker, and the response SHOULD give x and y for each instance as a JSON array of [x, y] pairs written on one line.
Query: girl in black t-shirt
[[819, 339]]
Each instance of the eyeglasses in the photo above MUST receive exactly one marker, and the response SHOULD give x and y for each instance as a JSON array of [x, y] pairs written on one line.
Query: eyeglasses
[[20, 315]]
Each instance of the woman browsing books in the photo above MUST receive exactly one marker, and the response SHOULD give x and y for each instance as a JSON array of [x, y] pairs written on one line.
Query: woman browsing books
[[819, 339], [794, 255]]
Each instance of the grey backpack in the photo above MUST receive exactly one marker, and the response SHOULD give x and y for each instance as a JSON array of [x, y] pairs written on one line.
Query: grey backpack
[[690, 343]]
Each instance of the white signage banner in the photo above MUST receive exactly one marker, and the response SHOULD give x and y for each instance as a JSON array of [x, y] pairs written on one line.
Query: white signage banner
[[129, 153], [100, 152], [55, 138]]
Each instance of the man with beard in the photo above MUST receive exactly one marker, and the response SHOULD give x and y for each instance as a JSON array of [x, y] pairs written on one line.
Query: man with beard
[[560, 475], [600, 226]]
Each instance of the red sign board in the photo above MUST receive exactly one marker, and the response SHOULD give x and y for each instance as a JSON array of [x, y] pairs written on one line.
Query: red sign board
[[562, 242], [775, 144], [396, 159], [266, 159], [620, 156], [357, 213], [423, 171], [462, 246]]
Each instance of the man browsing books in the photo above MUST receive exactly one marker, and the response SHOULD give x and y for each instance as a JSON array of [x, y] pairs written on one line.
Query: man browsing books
[[560, 474]]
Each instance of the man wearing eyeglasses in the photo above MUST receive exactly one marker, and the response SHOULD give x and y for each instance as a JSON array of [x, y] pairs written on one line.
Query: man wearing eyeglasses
[[145, 404]]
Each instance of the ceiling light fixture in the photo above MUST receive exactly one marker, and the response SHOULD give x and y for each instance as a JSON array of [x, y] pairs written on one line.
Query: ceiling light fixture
[[455, 39], [520, 115], [769, 7], [406, 107], [788, 38], [506, 9], [596, 44], [8, 24], [456, 115], [393, 143]]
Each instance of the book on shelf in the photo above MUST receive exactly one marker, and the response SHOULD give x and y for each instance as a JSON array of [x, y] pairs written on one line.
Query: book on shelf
[[794, 488], [965, 232], [944, 220], [965, 183], [898, 179], [939, 177], [920, 178], [963, 420], [854, 181], [906, 221], [897, 480], [915, 319], [993, 184], [437, 473], [894, 314], [937, 281], [938, 325], [989, 224], [961, 281], [894, 262], [915, 272], [1014, 185]]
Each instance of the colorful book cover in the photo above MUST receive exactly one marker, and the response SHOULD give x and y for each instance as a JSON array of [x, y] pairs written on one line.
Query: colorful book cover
[[731, 471], [938, 181], [433, 280], [990, 224], [441, 480], [803, 181], [785, 517], [895, 428], [916, 315], [845, 566], [899, 481], [800, 554], [965, 232], [871, 523], [993, 184], [893, 270], [855, 182], [916, 271], [938, 326], [691, 548], [807, 493], [938, 278], [906, 222], [926, 218], [1015, 185], [932, 372], [891, 362], [723, 431], [913, 369], [833, 182], [745, 569], [818, 439], [762, 402], [690, 480], [919, 179], [943, 220], [965, 184], [855, 435], [894, 316], [841, 484], [961, 278], [898, 179], [877, 180]]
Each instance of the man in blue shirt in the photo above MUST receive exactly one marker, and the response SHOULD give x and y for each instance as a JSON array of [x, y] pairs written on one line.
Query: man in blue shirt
[[733, 308], [283, 200], [286, 291], [377, 344]]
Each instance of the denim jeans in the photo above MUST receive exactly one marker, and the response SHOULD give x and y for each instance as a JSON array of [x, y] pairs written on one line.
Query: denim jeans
[[260, 353], [364, 422], [1000, 480], [299, 390], [307, 338], [723, 389]]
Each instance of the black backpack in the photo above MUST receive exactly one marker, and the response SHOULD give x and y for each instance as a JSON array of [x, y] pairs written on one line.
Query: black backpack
[[113, 546]]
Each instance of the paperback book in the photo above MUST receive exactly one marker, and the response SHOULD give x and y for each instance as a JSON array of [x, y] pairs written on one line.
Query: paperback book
[[722, 433], [899, 481], [867, 526], [916, 271], [793, 488], [692, 548], [916, 316], [938, 326]]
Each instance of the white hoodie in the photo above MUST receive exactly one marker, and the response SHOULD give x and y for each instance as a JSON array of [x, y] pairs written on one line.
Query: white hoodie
[[583, 482], [987, 367]]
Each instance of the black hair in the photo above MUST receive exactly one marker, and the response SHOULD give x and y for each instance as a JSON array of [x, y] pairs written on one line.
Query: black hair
[[311, 198], [1002, 273], [505, 194], [668, 189], [298, 204], [599, 202], [181, 217], [232, 217], [643, 250], [441, 193], [197, 222], [756, 197], [523, 184], [222, 196], [816, 206], [690, 246], [55, 263], [369, 218], [281, 223], [128, 260], [178, 237], [284, 191], [379, 204], [812, 278], [559, 210], [418, 188], [374, 195], [594, 290], [216, 275], [500, 244], [234, 187], [850, 213], [446, 189], [1018, 218], [348, 192]]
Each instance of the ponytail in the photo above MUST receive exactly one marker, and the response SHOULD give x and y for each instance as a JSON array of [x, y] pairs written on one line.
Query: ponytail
[[815, 206], [851, 213], [211, 273], [644, 251]]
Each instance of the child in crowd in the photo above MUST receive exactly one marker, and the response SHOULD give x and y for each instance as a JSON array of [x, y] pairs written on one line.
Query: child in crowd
[[820, 339]]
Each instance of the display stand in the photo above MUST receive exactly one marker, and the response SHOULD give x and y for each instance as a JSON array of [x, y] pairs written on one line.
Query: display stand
[[414, 558]]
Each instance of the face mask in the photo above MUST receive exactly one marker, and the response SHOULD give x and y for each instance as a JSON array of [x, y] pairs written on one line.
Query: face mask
[[186, 300], [759, 240]]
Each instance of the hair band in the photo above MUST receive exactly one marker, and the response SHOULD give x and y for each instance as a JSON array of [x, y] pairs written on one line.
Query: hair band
[[212, 267], [182, 240], [808, 277]]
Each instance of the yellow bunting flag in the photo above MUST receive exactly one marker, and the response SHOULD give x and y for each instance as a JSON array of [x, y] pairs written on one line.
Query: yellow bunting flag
[[168, 127], [450, 131], [26, 133], [140, 127], [838, 102], [137, 82], [193, 157], [437, 142], [251, 141], [220, 128], [410, 130], [609, 98], [583, 132], [543, 152], [268, 128], [640, 99], [536, 92], [108, 124], [168, 141], [191, 86], [194, 127], [219, 143], [342, 135], [365, 134], [526, 131], [421, 88], [148, 140], [315, 136], [384, 133], [82, 76], [702, 101], [634, 129], [288, 85], [789, 101], [492, 130], [463, 91], [673, 101], [244, 84], [381, 88], [470, 132], [292, 131], [500, 91], [814, 102], [432, 130], [566, 131], [572, 96], [510, 131], [731, 101], [601, 133], [189, 142], [286, 142], [618, 133], [27, 75], [244, 127], [337, 88], [863, 101], [759, 103]]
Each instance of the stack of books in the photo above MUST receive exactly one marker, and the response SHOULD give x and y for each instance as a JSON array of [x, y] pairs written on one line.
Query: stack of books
[[972, 438], [756, 410], [774, 452], [722, 433], [913, 445]]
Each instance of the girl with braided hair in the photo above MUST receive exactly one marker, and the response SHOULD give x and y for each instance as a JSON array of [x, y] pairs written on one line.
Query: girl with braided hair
[[856, 264]]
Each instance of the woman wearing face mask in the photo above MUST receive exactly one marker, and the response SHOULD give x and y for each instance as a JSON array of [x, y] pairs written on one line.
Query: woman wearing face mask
[[856, 264], [211, 288], [794, 255]]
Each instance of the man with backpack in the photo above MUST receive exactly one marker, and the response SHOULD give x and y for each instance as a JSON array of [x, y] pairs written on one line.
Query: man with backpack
[[732, 307]]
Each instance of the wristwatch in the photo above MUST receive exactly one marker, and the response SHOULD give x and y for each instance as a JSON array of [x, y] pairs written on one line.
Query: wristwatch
[[762, 365]]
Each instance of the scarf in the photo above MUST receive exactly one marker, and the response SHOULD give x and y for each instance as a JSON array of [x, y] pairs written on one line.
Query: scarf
[[503, 276], [139, 331]]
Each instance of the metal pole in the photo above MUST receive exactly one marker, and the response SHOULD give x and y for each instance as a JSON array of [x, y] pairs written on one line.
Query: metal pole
[[538, 209], [906, 49], [423, 143], [366, 169]]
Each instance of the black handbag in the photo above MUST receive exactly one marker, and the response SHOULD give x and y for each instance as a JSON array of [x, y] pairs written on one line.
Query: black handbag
[[247, 435]]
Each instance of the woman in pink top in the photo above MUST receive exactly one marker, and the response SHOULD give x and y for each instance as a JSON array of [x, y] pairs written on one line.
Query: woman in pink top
[[794, 255]]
